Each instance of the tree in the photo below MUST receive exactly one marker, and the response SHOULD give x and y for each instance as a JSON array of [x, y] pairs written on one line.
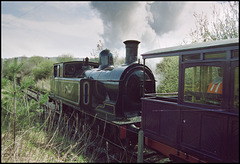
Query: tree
[[95, 52], [100, 46], [43, 70], [118, 60], [223, 25], [27, 68], [5, 70], [36, 59], [14, 68], [64, 58], [168, 68]]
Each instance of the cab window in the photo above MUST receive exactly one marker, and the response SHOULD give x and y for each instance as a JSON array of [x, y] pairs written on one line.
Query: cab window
[[203, 84], [55, 71]]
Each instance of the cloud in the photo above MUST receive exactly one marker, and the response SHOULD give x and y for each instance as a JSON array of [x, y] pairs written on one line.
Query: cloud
[[53, 28], [143, 21], [117, 19], [50, 37], [165, 16]]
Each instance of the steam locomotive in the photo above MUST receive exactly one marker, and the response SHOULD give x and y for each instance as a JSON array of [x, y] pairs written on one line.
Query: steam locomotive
[[99, 89], [198, 124]]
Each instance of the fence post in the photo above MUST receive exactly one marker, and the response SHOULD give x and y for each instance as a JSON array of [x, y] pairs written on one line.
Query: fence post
[[140, 147]]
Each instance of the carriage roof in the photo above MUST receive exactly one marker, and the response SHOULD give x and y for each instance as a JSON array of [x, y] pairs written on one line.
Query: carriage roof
[[185, 49]]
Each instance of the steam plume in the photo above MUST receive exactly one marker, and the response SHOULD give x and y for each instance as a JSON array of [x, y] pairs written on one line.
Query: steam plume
[[143, 21]]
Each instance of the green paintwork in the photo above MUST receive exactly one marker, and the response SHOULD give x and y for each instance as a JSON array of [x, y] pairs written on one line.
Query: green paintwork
[[67, 89]]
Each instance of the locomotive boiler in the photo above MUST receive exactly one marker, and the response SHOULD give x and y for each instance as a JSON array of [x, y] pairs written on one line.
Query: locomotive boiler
[[113, 93]]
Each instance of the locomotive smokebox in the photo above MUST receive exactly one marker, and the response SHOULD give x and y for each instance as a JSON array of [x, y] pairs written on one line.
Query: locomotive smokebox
[[131, 51]]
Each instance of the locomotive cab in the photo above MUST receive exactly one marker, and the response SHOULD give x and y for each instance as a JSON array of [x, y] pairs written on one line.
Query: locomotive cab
[[68, 83]]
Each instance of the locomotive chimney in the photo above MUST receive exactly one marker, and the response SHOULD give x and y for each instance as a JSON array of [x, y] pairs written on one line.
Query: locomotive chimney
[[131, 51]]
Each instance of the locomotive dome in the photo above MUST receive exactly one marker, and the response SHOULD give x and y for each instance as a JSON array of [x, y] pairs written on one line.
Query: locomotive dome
[[105, 59]]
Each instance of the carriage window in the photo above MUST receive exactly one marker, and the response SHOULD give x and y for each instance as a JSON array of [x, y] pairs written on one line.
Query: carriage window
[[236, 88], [215, 55], [203, 84], [235, 54], [191, 57]]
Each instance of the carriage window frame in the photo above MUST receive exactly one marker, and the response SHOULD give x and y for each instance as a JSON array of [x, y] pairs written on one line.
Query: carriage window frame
[[191, 57], [182, 85], [235, 54], [236, 88], [234, 81], [215, 55], [201, 88]]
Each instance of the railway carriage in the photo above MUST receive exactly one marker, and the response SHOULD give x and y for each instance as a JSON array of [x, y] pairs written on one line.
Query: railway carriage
[[201, 122], [198, 124]]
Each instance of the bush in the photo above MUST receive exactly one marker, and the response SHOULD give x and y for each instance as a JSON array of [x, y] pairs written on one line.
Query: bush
[[168, 68], [27, 68], [64, 58], [43, 70]]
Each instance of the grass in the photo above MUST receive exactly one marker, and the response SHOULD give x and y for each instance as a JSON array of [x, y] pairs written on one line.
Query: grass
[[43, 84], [48, 143], [42, 140], [40, 144]]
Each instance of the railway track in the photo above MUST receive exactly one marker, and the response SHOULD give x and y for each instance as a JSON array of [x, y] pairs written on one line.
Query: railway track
[[108, 151]]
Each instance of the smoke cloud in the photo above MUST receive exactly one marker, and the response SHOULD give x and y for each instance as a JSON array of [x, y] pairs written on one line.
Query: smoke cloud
[[165, 16], [143, 21]]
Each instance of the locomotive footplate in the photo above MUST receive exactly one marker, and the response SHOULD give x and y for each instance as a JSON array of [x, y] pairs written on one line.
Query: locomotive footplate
[[131, 120]]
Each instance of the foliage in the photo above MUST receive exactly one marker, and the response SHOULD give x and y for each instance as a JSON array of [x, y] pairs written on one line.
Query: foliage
[[23, 107], [43, 70], [43, 85], [169, 70], [64, 58], [36, 60], [100, 46], [4, 82], [27, 67], [224, 24], [27, 82], [11, 69], [6, 93], [21, 124], [95, 52], [36, 140], [5, 69], [118, 60], [93, 60]]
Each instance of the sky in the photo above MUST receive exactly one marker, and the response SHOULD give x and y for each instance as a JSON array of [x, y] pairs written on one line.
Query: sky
[[52, 28]]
